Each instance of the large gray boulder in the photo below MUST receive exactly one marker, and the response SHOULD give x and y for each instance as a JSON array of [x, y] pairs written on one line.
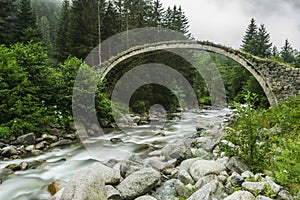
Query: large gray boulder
[[110, 176], [202, 168], [241, 195], [212, 190], [138, 183], [86, 184], [235, 164], [167, 190], [27, 139]]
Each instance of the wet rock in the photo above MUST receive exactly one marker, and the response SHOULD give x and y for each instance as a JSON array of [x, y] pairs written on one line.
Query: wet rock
[[253, 187], [2, 144], [55, 186], [30, 148], [241, 195], [138, 183], [13, 167], [50, 138], [136, 119], [87, 184], [237, 165], [41, 145], [116, 140], [112, 193], [110, 176], [201, 168], [212, 190], [146, 197], [27, 139], [61, 143], [9, 151], [70, 136], [167, 190], [178, 150], [36, 152], [127, 167]]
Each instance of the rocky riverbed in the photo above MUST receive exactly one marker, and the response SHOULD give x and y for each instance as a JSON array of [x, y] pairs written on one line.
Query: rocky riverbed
[[178, 161], [191, 168]]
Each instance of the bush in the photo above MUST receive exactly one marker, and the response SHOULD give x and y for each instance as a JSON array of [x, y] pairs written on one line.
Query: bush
[[268, 139]]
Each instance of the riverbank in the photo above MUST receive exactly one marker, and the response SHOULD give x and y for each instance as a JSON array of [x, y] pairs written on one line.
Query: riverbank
[[32, 144], [190, 168]]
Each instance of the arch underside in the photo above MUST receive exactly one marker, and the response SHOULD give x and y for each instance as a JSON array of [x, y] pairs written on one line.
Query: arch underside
[[197, 46]]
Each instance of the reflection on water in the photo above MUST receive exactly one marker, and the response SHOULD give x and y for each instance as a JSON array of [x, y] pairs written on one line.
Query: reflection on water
[[62, 163]]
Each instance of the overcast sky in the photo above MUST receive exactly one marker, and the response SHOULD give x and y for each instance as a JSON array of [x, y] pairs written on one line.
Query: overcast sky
[[225, 21]]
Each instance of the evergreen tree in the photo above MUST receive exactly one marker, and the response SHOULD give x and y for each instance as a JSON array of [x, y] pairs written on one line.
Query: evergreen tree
[[7, 17], [26, 23], [249, 43], [263, 42], [112, 22], [287, 53], [63, 32], [156, 18]]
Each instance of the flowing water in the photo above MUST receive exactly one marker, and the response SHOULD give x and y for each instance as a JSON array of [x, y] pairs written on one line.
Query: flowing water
[[62, 163]]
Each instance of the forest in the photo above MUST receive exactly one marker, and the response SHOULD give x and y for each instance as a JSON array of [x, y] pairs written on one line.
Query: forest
[[44, 42]]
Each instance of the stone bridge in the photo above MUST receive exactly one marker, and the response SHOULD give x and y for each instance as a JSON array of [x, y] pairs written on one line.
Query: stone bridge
[[279, 81]]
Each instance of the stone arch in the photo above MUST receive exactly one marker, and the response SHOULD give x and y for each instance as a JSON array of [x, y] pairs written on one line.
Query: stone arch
[[249, 62]]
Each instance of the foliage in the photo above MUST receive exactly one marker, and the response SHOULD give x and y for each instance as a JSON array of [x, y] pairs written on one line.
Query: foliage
[[268, 139]]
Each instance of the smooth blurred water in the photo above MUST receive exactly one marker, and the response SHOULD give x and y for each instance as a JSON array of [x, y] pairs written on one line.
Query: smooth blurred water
[[62, 163]]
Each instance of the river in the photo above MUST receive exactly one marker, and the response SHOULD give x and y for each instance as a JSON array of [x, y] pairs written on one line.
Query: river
[[62, 163]]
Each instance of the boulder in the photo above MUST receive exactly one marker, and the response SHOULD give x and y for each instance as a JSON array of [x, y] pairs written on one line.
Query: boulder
[[41, 145], [55, 186], [178, 150], [110, 176], [146, 197], [138, 183], [167, 190], [185, 177], [236, 179], [254, 187], [27, 139], [8, 151], [87, 184], [30, 148], [212, 190], [112, 193], [241, 195], [205, 180], [237, 165], [202, 168]]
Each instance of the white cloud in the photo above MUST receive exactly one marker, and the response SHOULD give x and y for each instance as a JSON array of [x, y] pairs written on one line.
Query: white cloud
[[225, 22]]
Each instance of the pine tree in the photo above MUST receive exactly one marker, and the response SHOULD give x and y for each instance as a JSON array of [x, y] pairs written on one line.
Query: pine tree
[[7, 25], [26, 23], [63, 32], [156, 18], [249, 43], [111, 20], [287, 53], [263, 42]]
